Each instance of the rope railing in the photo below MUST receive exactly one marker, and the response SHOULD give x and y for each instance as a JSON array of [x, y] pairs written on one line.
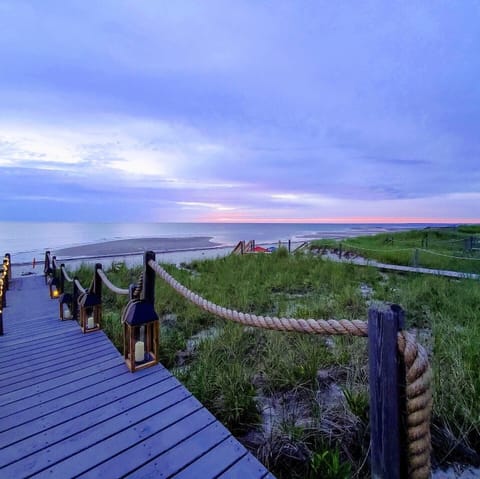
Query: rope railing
[[65, 274], [110, 285], [79, 286], [448, 256], [418, 373], [413, 356]]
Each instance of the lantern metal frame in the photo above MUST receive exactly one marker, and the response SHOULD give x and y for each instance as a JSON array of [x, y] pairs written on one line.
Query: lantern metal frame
[[53, 287], [90, 305], [65, 299], [140, 314]]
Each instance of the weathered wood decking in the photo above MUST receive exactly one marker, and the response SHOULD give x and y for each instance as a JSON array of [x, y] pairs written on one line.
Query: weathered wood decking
[[69, 407]]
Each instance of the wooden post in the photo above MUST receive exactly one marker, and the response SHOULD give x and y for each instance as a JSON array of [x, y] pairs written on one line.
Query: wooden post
[[97, 282], [46, 265], [384, 322], [340, 251], [9, 272], [62, 279], [6, 279], [148, 291], [54, 266], [415, 258], [289, 246], [75, 299]]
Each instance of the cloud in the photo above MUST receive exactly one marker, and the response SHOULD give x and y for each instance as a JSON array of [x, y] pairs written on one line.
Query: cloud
[[244, 111]]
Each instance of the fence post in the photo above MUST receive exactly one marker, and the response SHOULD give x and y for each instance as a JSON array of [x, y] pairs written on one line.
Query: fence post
[[9, 272], [340, 251], [289, 246], [6, 280], [97, 282], [148, 290], [415, 258], [46, 265], [62, 279], [75, 299], [384, 322], [54, 266]]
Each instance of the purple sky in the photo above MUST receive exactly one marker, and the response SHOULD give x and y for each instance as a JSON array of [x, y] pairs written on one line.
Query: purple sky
[[233, 111]]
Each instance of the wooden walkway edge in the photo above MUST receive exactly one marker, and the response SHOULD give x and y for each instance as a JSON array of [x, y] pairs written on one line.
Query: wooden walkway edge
[[69, 407], [359, 261]]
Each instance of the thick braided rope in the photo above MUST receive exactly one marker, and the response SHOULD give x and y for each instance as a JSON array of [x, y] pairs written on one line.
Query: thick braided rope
[[418, 373], [65, 275], [419, 404], [137, 290], [109, 284], [312, 326], [79, 286]]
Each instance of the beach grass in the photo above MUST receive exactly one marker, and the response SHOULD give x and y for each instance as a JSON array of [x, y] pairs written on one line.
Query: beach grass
[[314, 388]]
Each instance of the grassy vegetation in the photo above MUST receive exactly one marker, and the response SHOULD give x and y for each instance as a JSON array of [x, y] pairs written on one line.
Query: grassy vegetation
[[452, 248], [301, 401]]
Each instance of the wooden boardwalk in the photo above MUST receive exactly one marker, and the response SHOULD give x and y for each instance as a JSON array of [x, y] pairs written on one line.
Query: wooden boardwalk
[[400, 268], [69, 407]]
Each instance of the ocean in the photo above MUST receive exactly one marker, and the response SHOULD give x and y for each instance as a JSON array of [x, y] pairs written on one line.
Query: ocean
[[25, 241]]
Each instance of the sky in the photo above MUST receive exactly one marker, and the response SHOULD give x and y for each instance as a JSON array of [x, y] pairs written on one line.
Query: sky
[[239, 111]]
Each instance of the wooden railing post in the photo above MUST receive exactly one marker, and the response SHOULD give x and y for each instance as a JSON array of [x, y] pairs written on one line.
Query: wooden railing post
[[97, 282], [54, 266], [384, 322], [62, 279], [75, 299], [9, 272], [148, 291], [46, 265], [6, 279]]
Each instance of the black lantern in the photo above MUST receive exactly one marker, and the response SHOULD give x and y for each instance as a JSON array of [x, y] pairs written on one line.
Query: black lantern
[[140, 335], [65, 304], [90, 312], [53, 287]]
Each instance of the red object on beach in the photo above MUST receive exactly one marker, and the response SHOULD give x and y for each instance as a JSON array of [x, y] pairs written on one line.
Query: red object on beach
[[259, 249]]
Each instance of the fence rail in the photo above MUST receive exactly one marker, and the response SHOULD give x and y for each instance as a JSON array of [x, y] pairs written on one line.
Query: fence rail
[[389, 347]]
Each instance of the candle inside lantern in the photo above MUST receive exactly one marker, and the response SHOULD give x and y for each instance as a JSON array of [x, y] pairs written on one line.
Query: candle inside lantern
[[55, 292], [139, 351], [90, 323], [66, 312]]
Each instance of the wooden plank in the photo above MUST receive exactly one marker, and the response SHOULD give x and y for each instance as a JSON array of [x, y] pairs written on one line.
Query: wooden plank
[[176, 454], [215, 461], [32, 380], [77, 421], [247, 466], [186, 453], [33, 364], [99, 443], [25, 410], [38, 350], [37, 391], [37, 419]]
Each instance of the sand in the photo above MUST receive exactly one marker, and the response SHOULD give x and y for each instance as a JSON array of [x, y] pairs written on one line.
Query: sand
[[135, 246]]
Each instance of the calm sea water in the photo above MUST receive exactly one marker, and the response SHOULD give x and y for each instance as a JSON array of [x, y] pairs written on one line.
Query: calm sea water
[[27, 240]]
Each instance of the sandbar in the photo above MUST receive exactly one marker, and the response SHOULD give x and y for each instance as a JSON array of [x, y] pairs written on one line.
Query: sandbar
[[136, 246]]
